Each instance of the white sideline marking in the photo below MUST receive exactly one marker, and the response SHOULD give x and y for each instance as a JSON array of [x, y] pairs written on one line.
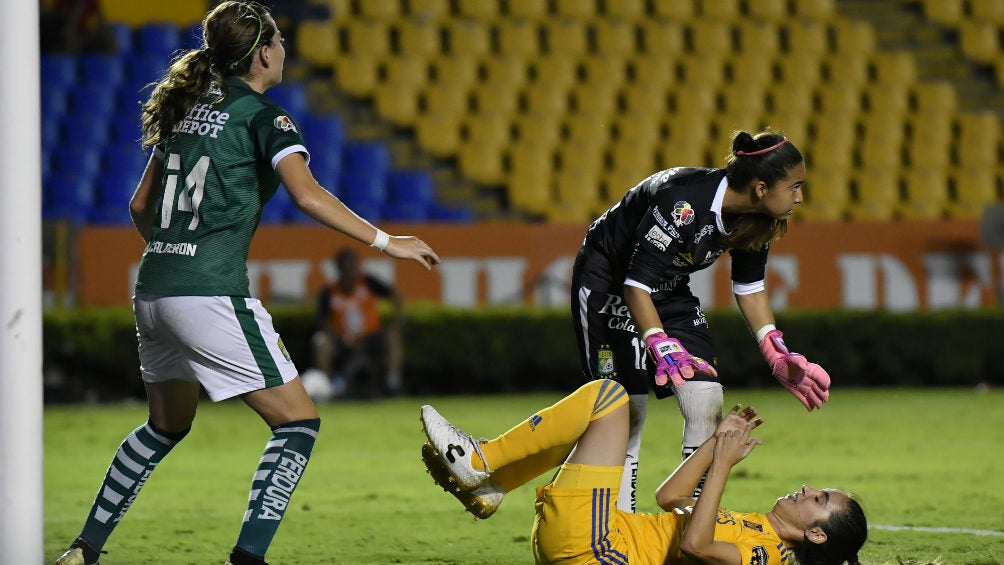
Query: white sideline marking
[[937, 530]]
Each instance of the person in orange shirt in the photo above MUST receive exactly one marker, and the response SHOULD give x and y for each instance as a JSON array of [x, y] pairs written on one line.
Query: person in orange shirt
[[576, 519], [352, 342]]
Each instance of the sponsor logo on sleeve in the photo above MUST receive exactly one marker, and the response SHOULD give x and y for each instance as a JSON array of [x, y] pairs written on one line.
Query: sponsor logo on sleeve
[[683, 213], [658, 238], [759, 556], [284, 123]]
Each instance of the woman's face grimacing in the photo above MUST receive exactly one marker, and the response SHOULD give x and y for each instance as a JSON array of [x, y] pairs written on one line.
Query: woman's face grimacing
[[806, 507]]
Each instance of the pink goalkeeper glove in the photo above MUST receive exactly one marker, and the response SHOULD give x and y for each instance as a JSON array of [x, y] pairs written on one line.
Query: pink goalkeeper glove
[[807, 381], [672, 362]]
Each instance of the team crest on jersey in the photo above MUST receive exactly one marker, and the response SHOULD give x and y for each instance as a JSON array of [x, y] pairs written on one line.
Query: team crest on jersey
[[759, 556], [605, 362], [683, 213], [284, 123], [658, 238]]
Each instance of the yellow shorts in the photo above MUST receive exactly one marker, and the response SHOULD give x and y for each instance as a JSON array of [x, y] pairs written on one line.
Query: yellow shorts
[[574, 515]]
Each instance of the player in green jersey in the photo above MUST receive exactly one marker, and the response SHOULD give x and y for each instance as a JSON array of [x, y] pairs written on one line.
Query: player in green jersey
[[220, 149]]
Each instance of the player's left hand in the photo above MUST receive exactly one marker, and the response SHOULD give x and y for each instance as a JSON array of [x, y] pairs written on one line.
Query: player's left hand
[[808, 382], [737, 419]]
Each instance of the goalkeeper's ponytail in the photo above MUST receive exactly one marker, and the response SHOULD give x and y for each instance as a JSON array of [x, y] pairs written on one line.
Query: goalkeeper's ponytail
[[846, 532]]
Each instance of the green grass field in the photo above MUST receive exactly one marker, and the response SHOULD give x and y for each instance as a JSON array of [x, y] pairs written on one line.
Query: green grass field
[[917, 458]]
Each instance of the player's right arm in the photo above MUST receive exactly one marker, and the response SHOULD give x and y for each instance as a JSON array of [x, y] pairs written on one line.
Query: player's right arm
[[312, 199], [143, 205]]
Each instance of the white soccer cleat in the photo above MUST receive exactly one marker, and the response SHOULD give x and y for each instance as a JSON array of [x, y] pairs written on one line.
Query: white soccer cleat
[[455, 449], [482, 502]]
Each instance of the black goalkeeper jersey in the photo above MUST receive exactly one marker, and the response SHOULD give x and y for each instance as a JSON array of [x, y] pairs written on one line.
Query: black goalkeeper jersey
[[664, 229]]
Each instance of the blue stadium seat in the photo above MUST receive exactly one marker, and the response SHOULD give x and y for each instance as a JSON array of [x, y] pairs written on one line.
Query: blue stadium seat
[[191, 36], [367, 157], [83, 161], [57, 71], [143, 68], [109, 215], [447, 214], [365, 194], [86, 129], [70, 197], [160, 39], [279, 207], [130, 94], [93, 99], [127, 129], [100, 68], [123, 36], [54, 102], [319, 131], [126, 160], [410, 196], [291, 97]]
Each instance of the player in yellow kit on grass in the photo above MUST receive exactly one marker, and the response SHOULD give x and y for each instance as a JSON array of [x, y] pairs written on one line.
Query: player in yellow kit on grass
[[577, 522]]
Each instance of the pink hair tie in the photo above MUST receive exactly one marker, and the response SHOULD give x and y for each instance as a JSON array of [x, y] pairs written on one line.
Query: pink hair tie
[[764, 150]]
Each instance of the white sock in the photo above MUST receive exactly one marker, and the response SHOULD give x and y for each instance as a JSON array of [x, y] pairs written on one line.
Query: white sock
[[701, 405], [638, 404]]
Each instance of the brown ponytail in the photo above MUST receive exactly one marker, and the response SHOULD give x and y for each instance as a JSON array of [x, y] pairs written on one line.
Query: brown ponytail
[[230, 32]]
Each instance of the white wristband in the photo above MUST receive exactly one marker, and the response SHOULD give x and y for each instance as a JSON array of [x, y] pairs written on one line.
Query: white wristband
[[381, 240], [649, 332], [762, 332]]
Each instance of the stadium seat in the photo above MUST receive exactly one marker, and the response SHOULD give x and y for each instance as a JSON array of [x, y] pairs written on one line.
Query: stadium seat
[[802, 69], [545, 99], [719, 10], [894, 68], [379, 9], [365, 194], [482, 162], [662, 37], [575, 9], [518, 37], [58, 71], [53, 102], [438, 133], [419, 37], [758, 39], [317, 42], [370, 157], [614, 36], [191, 36], [540, 128], [556, 69], [697, 99], [818, 10], [887, 99], [790, 98], [878, 195], [853, 36], [505, 72], [844, 69], [839, 99], [444, 98], [768, 10], [935, 97], [467, 38], [529, 177], [159, 39], [367, 37], [99, 68], [454, 71], [926, 193], [86, 129], [565, 36], [478, 9], [356, 74], [122, 34], [405, 71], [704, 70], [486, 128], [642, 98], [807, 38], [410, 196], [322, 130], [596, 101], [50, 133], [326, 166], [650, 71], [987, 10], [975, 188], [980, 40], [398, 104], [428, 10], [290, 96], [827, 195], [602, 71], [709, 36], [70, 196]]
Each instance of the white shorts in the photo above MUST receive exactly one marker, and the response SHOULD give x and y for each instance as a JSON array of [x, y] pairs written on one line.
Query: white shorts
[[227, 344]]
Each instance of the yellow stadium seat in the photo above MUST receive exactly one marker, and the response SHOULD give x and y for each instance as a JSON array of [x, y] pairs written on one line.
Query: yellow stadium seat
[[468, 38], [603, 70], [566, 36], [853, 36], [878, 195], [692, 127], [758, 38], [439, 134], [477, 9], [820, 10], [527, 9], [945, 12], [707, 69], [790, 99], [887, 99], [529, 177], [379, 9], [750, 69], [557, 69], [721, 10], [482, 162], [881, 146], [980, 40], [537, 128], [768, 10], [637, 128], [935, 97], [577, 190], [419, 37], [975, 189], [630, 10], [490, 129], [445, 98], [575, 9], [807, 37], [794, 127], [744, 100], [926, 193], [801, 69], [695, 100], [657, 72], [710, 36], [662, 38], [614, 36], [339, 8], [682, 153], [458, 70], [929, 143], [505, 71], [545, 98], [495, 99], [317, 42], [428, 10], [894, 67], [518, 37], [581, 154], [978, 139], [630, 160], [406, 71], [844, 69], [397, 103], [674, 10], [644, 98], [839, 99], [367, 37], [356, 73], [827, 195], [987, 10], [583, 130]]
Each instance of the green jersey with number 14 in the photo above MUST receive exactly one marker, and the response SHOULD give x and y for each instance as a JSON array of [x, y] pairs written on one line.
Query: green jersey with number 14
[[219, 171]]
